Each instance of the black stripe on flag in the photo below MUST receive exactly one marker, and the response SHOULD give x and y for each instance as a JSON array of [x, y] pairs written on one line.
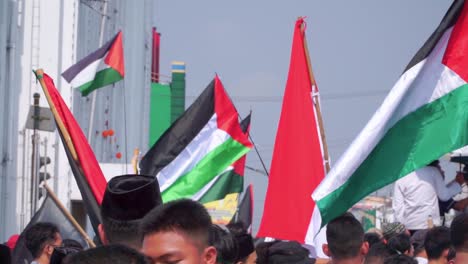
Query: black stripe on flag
[[180, 133], [447, 22], [71, 72], [89, 201]]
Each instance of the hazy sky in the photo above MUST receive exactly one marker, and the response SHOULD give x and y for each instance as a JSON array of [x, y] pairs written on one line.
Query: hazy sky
[[358, 50]]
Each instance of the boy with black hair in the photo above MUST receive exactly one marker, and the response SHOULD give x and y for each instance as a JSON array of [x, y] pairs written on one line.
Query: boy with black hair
[[113, 254], [178, 231], [459, 237], [377, 254], [127, 199], [437, 245], [226, 246], [41, 239], [345, 238], [247, 254], [401, 245]]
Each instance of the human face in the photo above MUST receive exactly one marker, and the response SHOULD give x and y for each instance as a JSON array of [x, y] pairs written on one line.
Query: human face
[[173, 247]]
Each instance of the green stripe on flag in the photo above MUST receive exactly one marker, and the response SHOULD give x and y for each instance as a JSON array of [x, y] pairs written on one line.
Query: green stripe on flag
[[227, 183], [209, 167], [102, 78], [413, 142]]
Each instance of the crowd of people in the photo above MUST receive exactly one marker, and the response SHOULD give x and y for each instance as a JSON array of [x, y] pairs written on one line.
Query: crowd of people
[[137, 227]]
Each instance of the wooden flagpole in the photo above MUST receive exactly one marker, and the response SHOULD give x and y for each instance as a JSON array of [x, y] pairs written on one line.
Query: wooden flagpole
[[318, 111], [69, 216], [40, 77]]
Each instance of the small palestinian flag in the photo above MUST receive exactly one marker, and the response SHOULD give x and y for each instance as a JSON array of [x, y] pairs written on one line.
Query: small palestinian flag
[[200, 145], [100, 68], [424, 116]]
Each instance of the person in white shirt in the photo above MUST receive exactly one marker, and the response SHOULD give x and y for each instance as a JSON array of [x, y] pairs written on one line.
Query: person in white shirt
[[416, 196]]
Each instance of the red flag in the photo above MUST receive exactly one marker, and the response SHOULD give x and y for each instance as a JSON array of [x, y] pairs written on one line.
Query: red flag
[[297, 165], [86, 169]]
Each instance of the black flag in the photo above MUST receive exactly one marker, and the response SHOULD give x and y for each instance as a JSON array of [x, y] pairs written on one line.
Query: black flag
[[244, 212]]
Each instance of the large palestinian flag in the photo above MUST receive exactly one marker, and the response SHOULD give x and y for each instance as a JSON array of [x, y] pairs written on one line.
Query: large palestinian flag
[[200, 145], [100, 68], [424, 116]]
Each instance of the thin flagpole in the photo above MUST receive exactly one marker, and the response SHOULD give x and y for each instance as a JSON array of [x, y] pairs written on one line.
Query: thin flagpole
[[318, 111], [40, 77], [68, 215], [93, 101]]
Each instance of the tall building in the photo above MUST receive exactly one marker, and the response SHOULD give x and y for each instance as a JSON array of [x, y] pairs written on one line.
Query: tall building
[[53, 35]]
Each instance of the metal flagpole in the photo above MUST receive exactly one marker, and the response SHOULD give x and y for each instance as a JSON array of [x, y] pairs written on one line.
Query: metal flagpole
[[93, 101]]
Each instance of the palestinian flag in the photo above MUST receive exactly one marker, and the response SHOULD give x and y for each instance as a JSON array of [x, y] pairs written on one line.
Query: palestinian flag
[[200, 145], [424, 116], [230, 181], [100, 68], [85, 168]]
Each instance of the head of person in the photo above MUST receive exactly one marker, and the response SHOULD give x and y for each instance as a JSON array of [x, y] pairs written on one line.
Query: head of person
[[401, 245], [111, 254], [451, 255], [437, 243], [393, 229], [372, 238], [417, 240], [226, 246], [127, 199], [459, 233], [378, 252], [262, 251], [60, 253], [290, 252], [400, 259], [245, 243], [178, 231], [41, 239], [345, 239]]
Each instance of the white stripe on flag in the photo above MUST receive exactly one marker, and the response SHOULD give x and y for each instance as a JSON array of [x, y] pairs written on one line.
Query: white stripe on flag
[[209, 138], [88, 73]]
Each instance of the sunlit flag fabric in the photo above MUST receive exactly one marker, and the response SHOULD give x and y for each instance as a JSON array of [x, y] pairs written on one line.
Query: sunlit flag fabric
[[230, 181], [200, 145], [100, 68], [424, 116], [49, 212], [85, 168], [297, 166]]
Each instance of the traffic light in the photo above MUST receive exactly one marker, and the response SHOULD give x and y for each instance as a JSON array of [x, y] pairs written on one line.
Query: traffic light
[[43, 175]]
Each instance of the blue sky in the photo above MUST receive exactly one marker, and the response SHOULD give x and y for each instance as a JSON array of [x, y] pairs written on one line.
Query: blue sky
[[358, 50]]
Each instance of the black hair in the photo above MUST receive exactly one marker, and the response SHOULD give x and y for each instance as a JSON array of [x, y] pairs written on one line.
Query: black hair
[[452, 254], [372, 238], [400, 259], [459, 232], [72, 243], [399, 244], [225, 244], [434, 163], [38, 235], [437, 240], [244, 240], [122, 231], [345, 237], [262, 251], [184, 215], [60, 253], [377, 253], [112, 254]]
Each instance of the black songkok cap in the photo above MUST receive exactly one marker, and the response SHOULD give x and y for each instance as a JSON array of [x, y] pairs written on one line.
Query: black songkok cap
[[130, 197]]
